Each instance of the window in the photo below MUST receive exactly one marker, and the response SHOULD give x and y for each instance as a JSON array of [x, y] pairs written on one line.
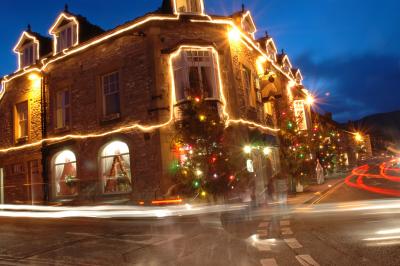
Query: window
[[64, 174], [22, 120], [111, 98], [300, 114], [63, 108], [66, 37], [28, 55], [17, 169], [269, 108], [248, 86], [115, 168], [196, 74], [189, 6]]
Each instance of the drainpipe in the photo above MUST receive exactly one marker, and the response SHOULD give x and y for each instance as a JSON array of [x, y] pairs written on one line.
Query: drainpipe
[[43, 116]]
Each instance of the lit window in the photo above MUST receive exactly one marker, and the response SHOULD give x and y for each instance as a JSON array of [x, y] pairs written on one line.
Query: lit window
[[22, 120], [66, 37], [63, 109], [248, 86], [1, 88], [111, 97], [268, 108], [65, 174], [189, 6], [196, 74], [115, 168], [300, 114], [28, 55]]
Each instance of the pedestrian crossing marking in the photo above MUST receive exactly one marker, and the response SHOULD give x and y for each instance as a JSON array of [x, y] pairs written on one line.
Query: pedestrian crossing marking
[[286, 231], [293, 243], [306, 260], [285, 223], [268, 262]]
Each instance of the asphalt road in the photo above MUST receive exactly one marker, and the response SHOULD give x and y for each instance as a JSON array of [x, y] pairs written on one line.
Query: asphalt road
[[298, 236]]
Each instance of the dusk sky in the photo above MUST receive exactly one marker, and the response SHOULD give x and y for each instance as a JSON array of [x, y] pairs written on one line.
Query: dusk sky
[[347, 49]]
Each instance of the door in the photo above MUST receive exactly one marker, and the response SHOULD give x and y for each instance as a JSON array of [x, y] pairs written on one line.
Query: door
[[1, 186]]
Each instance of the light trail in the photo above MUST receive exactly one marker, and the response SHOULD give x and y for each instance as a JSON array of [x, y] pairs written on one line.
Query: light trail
[[29, 211], [362, 172]]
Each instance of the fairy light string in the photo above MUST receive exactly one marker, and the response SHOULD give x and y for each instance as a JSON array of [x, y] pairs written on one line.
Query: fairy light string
[[136, 126]]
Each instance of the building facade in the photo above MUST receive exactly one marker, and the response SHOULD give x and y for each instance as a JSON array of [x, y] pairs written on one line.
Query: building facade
[[90, 115]]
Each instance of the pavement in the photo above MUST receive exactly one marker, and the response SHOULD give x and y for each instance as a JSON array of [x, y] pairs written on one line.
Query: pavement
[[344, 225], [315, 191]]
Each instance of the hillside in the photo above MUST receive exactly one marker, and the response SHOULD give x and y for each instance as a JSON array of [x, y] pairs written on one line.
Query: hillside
[[384, 125]]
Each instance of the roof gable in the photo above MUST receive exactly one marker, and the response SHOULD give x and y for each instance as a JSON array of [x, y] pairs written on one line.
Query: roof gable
[[24, 39]]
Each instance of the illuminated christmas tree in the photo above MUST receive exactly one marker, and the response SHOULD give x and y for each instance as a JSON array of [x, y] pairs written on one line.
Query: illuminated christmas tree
[[203, 163]]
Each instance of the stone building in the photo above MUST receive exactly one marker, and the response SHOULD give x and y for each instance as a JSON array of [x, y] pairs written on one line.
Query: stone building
[[89, 114]]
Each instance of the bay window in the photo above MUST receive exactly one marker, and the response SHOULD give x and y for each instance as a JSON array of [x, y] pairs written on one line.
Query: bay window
[[115, 168], [65, 174], [63, 109], [196, 74]]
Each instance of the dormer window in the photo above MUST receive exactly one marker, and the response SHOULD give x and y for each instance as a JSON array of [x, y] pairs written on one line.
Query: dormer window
[[28, 55], [66, 37], [27, 49], [189, 6], [286, 66], [248, 24], [271, 49], [65, 32]]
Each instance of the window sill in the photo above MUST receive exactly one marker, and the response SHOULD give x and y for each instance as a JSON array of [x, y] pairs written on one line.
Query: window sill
[[22, 140], [110, 118], [61, 130]]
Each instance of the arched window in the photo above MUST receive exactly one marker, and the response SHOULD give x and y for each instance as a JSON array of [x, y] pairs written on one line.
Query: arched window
[[65, 174], [115, 168]]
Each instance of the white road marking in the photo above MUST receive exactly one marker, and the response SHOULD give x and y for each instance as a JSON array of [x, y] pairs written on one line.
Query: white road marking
[[293, 243], [263, 247], [286, 231], [285, 223], [264, 224], [268, 262], [306, 260]]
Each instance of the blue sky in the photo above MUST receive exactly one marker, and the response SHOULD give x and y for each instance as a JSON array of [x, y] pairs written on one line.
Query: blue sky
[[347, 48]]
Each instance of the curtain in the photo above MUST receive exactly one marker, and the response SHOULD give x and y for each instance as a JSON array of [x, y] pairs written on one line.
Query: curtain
[[116, 175]]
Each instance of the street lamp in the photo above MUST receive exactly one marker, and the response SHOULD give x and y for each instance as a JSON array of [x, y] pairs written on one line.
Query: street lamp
[[234, 35], [310, 100], [247, 149], [358, 137], [267, 151]]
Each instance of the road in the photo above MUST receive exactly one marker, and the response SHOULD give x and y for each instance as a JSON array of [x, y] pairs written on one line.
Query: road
[[331, 231]]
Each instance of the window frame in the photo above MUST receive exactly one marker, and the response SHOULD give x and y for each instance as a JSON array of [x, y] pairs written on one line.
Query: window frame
[[17, 122], [189, 9], [66, 110], [104, 96], [62, 44], [103, 181], [248, 86], [54, 181], [31, 46], [183, 63]]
